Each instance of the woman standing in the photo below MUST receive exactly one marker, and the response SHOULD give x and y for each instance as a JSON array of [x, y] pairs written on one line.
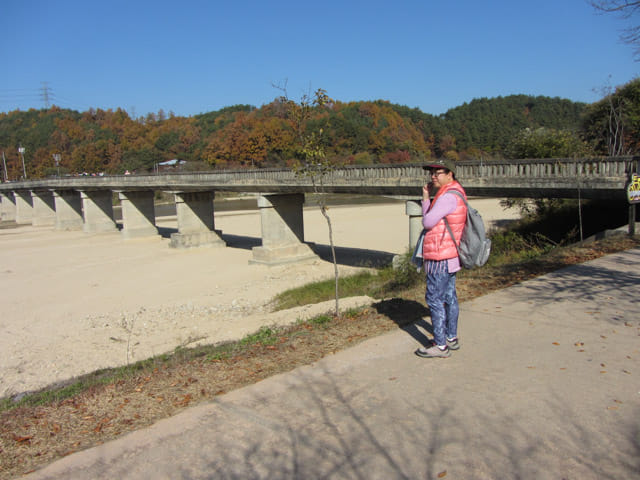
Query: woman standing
[[440, 256]]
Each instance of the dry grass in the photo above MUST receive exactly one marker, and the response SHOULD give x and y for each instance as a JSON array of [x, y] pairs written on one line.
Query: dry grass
[[33, 436]]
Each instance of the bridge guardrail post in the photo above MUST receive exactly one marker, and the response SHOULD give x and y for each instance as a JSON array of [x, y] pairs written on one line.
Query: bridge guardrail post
[[413, 208]]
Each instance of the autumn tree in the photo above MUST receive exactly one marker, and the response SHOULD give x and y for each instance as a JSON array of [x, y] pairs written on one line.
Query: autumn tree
[[311, 160], [547, 143]]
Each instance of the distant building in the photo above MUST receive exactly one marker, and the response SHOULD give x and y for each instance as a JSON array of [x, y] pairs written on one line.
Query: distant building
[[169, 165]]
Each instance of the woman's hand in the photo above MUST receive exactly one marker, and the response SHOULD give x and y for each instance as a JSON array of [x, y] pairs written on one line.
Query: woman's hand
[[426, 191]]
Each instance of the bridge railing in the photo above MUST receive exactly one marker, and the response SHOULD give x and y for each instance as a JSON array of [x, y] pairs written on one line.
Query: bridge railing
[[521, 177]]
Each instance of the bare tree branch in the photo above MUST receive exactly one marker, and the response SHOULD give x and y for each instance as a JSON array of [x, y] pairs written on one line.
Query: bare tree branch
[[626, 10]]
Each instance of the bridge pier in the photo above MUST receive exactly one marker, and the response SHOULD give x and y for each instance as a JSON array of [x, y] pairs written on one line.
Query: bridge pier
[[98, 211], [138, 214], [413, 208], [282, 227], [8, 207], [44, 210], [68, 210], [24, 206], [194, 211]]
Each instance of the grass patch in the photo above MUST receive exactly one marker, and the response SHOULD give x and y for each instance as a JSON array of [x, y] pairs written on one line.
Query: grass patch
[[320, 320], [348, 286], [377, 283], [264, 336]]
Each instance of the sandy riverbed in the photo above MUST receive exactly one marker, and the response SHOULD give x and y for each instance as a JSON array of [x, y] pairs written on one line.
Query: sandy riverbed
[[73, 302]]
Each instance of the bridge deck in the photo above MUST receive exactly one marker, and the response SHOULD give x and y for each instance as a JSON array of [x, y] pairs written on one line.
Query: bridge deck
[[599, 177]]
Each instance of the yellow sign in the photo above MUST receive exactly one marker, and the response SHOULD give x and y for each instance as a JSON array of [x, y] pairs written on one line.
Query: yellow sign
[[633, 189]]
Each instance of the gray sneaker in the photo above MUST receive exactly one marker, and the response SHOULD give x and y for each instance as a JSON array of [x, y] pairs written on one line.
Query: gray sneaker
[[433, 352], [453, 344]]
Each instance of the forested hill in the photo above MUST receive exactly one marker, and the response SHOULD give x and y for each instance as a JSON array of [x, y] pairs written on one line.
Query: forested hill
[[490, 124], [247, 136]]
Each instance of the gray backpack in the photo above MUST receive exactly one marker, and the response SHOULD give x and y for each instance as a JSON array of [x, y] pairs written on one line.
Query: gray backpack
[[475, 247]]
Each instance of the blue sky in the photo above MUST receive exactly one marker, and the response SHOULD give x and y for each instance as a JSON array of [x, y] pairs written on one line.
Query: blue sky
[[193, 56]]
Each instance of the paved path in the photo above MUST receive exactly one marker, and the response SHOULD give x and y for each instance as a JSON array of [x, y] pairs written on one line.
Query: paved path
[[545, 386]]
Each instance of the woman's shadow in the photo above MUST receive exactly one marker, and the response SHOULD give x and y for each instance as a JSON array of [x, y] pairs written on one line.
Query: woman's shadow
[[409, 316]]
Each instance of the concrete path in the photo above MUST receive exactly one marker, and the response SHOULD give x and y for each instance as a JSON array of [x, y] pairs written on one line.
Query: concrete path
[[545, 386]]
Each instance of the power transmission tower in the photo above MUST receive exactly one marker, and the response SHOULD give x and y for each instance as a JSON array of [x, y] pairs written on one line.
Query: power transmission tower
[[45, 94]]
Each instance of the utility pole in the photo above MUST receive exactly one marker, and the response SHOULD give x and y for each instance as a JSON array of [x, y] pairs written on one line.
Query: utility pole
[[24, 170], [4, 162], [56, 159]]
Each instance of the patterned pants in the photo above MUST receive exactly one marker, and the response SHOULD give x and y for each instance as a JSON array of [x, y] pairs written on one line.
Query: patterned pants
[[442, 300]]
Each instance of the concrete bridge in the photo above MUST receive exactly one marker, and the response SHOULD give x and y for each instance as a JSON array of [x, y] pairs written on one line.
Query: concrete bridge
[[86, 203]]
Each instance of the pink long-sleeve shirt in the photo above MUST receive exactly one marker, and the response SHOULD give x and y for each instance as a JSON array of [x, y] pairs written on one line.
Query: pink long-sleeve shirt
[[445, 205]]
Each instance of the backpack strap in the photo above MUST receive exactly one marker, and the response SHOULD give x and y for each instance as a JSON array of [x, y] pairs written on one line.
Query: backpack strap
[[452, 237], [447, 223], [456, 192]]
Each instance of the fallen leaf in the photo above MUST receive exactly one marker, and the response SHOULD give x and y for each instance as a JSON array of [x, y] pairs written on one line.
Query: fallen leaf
[[442, 474], [602, 365], [579, 344], [556, 343], [184, 401], [612, 408], [603, 371], [627, 372], [22, 438], [618, 401]]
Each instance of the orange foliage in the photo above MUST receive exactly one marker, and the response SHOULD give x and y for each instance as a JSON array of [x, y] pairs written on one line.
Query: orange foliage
[[101, 140]]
